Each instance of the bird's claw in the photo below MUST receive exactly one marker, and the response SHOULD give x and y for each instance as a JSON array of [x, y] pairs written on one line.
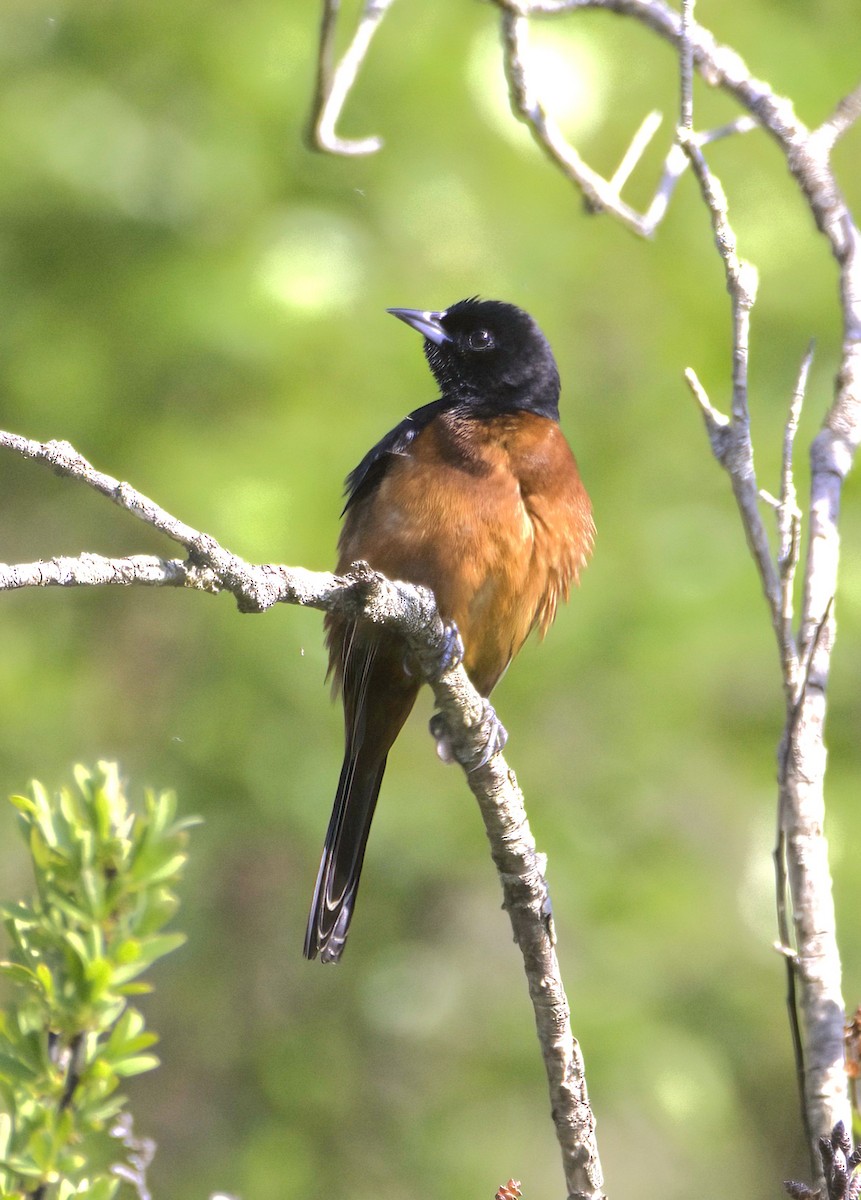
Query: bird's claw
[[450, 656], [451, 652], [493, 734]]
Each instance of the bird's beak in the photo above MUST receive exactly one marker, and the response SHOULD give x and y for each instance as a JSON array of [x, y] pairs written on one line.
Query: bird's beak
[[428, 324]]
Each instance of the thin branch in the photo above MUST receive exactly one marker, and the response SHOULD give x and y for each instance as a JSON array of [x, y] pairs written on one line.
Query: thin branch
[[64, 460], [785, 949], [334, 83], [640, 143], [789, 529], [676, 163], [599, 194], [140, 1152], [814, 995], [735, 451], [686, 69], [410, 611], [842, 119], [717, 423], [94, 570]]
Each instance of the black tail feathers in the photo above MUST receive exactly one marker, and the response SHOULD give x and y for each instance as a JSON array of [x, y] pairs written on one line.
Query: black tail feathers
[[343, 855]]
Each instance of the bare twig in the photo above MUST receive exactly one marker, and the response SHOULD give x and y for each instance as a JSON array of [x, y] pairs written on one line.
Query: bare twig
[[717, 423], [640, 143], [676, 164], [686, 69], [334, 83], [412, 612], [140, 1152], [736, 448], [832, 454], [599, 193], [801, 857], [789, 531], [843, 118]]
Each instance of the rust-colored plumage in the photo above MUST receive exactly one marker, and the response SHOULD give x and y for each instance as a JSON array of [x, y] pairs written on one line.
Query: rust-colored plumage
[[476, 496]]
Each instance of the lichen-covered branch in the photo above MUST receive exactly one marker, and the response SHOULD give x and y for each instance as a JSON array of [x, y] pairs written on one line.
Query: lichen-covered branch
[[412, 611]]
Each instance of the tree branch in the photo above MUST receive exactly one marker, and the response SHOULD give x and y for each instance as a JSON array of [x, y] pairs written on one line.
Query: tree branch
[[334, 83], [802, 759], [410, 611], [801, 857], [600, 194], [843, 118]]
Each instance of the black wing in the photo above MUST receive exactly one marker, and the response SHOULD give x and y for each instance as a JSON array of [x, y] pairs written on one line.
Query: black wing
[[376, 462]]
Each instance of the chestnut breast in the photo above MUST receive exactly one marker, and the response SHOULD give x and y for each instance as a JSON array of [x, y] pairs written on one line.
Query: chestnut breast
[[491, 514]]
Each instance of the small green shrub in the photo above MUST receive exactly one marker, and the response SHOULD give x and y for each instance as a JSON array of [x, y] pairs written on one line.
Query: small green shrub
[[105, 879]]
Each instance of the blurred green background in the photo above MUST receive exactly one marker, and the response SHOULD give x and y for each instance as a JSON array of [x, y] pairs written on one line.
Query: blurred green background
[[196, 302]]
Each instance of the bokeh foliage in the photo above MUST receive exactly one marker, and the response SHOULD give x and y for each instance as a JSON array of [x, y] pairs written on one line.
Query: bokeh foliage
[[196, 302]]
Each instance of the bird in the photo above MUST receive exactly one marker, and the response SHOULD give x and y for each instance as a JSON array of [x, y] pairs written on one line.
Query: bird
[[477, 496]]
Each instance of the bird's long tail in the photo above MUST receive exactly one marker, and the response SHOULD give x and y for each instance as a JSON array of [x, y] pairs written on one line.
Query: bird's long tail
[[378, 696], [343, 854]]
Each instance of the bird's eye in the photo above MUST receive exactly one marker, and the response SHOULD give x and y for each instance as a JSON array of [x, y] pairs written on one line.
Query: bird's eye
[[480, 339]]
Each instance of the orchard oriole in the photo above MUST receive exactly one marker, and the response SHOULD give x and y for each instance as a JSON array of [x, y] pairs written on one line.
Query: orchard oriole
[[476, 496]]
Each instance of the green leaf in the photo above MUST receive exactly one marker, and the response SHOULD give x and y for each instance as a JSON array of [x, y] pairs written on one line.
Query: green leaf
[[131, 1047], [39, 848], [100, 976], [41, 1148], [46, 980], [135, 989], [102, 1189], [150, 950], [14, 1068], [19, 1165], [128, 1026], [136, 1064], [24, 805], [21, 975]]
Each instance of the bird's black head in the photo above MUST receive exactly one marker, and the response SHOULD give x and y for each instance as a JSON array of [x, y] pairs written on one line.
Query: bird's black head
[[488, 356]]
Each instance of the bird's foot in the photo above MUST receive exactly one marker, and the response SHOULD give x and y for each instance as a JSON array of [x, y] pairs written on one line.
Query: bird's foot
[[450, 656], [451, 652], [493, 737], [493, 732]]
